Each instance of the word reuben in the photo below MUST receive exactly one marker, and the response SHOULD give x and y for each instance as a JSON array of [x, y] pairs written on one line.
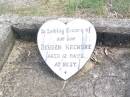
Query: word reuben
[[66, 48]]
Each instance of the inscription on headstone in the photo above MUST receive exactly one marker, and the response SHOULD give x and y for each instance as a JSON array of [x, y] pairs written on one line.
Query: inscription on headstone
[[66, 47]]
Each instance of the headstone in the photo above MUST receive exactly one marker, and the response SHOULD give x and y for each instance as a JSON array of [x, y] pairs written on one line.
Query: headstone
[[66, 47]]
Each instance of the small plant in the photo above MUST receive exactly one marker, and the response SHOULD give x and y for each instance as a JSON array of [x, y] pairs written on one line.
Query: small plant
[[71, 6], [121, 6], [95, 6]]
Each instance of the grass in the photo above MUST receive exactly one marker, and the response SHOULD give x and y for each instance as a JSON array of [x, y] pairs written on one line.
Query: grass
[[4, 8], [94, 6], [71, 6], [67, 8], [29, 11], [51, 7], [121, 6]]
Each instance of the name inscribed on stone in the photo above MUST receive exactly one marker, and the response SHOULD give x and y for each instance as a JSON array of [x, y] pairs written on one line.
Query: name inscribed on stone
[[66, 47]]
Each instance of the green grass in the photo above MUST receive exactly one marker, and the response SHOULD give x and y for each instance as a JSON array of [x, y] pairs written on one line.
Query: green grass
[[68, 8], [71, 6], [121, 6], [96, 6], [93, 6], [55, 7]]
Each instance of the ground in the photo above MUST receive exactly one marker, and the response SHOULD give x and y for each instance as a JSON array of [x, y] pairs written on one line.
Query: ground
[[25, 74]]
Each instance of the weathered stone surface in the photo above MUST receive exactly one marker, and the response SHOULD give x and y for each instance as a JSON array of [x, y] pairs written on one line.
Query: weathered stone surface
[[109, 87], [26, 28], [128, 85], [25, 74], [111, 32], [107, 24], [6, 42], [101, 24]]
